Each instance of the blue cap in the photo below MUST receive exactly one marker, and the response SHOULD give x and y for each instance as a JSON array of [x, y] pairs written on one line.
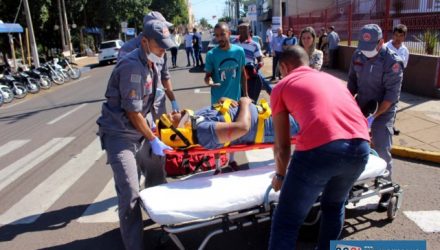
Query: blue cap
[[369, 37], [156, 27]]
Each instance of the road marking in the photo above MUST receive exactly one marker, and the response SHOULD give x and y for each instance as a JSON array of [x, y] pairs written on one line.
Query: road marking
[[104, 207], [428, 221], [11, 146], [259, 157], [66, 114], [41, 198], [198, 91], [18, 168]]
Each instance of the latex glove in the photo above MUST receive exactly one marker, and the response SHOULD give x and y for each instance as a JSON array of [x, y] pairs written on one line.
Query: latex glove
[[370, 121], [175, 106], [158, 147]]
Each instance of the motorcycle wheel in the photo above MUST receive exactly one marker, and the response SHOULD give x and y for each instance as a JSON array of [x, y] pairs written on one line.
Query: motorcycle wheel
[[1, 100], [65, 74], [74, 73], [57, 78], [45, 82], [7, 95], [36, 87], [20, 91]]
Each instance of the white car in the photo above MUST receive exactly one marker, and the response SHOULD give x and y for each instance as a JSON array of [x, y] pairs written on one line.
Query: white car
[[108, 51]]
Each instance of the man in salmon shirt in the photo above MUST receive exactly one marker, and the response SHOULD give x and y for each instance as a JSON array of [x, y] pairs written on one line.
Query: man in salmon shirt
[[330, 154]]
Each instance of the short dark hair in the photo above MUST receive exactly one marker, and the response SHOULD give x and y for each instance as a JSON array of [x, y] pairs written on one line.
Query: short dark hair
[[294, 55], [221, 25], [400, 28]]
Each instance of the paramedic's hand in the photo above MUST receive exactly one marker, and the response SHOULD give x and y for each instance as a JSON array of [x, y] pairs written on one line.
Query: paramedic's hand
[[158, 147], [175, 106], [276, 183]]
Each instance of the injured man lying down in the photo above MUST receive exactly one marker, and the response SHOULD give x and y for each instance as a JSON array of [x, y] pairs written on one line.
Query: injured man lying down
[[223, 124]]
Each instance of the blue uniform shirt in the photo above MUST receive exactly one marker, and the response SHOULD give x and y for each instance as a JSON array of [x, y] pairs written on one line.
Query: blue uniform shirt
[[226, 68], [131, 87], [207, 136], [379, 78]]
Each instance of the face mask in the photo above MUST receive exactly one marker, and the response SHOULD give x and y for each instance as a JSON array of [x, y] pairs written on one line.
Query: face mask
[[153, 57], [370, 54]]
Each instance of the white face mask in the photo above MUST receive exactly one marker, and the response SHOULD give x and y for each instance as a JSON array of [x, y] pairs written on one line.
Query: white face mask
[[153, 57], [370, 54]]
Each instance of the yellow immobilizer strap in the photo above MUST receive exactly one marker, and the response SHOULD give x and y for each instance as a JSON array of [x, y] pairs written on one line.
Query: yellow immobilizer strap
[[263, 114], [224, 110]]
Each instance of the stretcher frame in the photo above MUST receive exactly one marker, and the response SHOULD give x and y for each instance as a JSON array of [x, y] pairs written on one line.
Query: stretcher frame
[[237, 220]]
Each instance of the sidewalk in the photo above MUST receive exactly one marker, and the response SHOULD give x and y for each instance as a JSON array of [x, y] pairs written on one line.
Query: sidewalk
[[418, 120], [87, 61]]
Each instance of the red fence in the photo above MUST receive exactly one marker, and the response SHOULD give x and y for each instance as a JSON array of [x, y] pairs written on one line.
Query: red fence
[[420, 16]]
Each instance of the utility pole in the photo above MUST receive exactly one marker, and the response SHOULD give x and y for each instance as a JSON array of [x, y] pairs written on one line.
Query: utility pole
[[66, 26], [63, 38], [237, 9], [31, 34]]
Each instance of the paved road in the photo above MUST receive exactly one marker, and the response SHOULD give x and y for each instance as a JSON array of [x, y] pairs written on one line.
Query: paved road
[[57, 193]]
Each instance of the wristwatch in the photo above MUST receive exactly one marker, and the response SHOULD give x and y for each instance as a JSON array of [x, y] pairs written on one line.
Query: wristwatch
[[279, 177]]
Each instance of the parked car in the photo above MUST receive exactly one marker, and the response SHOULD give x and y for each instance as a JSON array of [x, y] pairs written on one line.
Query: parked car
[[213, 43], [108, 51]]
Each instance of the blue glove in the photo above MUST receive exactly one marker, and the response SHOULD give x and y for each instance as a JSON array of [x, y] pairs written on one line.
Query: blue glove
[[370, 120], [158, 147], [175, 106]]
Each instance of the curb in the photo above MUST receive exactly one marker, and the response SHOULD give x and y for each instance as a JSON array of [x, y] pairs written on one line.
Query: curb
[[414, 153]]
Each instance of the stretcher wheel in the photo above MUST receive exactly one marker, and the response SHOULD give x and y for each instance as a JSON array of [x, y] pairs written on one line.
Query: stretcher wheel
[[392, 208]]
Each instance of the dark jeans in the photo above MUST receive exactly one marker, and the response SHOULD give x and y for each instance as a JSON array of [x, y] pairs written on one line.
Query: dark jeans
[[275, 70], [333, 58], [190, 52], [331, 169], [174, 56], [255, 83], [198, 56]]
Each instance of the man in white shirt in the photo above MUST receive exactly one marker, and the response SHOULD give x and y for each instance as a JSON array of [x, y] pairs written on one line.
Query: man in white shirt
[[189, 48], [269, 35], [396, 44]]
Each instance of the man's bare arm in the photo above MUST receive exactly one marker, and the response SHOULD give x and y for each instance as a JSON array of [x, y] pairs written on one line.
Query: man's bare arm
[[227, 132], [140, 124]]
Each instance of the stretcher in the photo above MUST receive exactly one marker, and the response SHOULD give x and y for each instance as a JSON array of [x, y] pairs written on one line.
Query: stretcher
[[234, 200]]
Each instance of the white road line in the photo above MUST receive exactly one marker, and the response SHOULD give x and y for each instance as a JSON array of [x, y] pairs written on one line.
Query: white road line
[[11, 146], [18, 168], [104, 207], [66, 114], [42, 197], [198, 91], [428, 221]]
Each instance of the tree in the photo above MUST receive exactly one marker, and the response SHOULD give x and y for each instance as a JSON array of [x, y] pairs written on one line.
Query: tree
[[225, 19], [204, 23], [174, 11]]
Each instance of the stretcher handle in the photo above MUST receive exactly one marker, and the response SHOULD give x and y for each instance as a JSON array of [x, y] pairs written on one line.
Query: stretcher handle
[[266, 202]]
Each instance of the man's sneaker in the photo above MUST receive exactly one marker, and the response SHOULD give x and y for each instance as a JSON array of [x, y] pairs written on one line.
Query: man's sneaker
[[396, 131]]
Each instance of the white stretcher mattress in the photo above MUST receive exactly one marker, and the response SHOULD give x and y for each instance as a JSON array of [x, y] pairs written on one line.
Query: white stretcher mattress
[[205, 197]]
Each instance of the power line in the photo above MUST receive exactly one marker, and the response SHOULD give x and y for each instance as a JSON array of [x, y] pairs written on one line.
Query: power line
[[18, 11]]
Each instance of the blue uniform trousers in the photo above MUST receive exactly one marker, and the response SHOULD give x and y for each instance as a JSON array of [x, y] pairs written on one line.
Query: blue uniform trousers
[[382, 137]]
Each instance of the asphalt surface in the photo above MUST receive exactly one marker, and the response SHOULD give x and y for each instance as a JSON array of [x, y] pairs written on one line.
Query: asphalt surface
[[56, 191]]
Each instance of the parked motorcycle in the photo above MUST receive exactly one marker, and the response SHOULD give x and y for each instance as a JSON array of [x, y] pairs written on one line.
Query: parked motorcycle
[[73, 71], [5, 92], [17, 88], [48, 70], [43, 80], [30, 83]]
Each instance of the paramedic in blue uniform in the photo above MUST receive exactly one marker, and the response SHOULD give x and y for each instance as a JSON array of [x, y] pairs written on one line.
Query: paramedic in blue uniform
[[159, 104], [123, 127], [376, 74]]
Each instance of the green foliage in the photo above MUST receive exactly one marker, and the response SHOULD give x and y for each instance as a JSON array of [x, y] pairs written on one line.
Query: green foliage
[[204, 23], [431, 39], [174, 11], [225, 19]]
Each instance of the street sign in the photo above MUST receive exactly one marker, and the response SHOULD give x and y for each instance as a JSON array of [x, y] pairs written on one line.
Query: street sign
[[130, 32], [124, 27]]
